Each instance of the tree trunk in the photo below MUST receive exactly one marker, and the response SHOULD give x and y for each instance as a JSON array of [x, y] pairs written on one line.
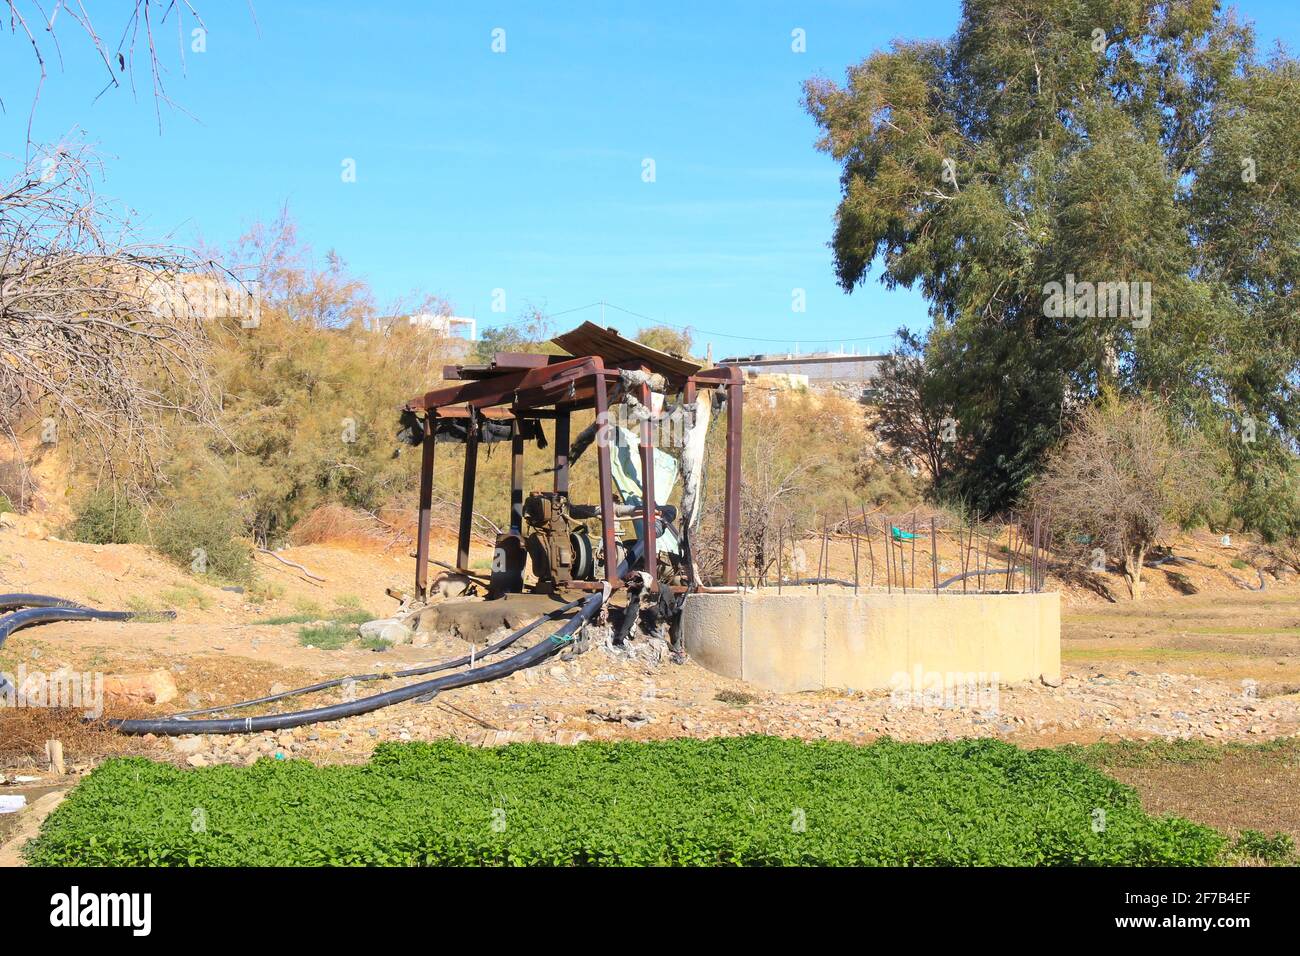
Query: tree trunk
[[1133, 571]]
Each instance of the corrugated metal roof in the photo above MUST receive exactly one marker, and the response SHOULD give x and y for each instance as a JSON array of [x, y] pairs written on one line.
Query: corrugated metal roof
[[590, 339]]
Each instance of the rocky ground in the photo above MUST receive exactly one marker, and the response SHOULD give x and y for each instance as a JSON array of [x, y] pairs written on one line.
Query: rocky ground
[[598, 696]]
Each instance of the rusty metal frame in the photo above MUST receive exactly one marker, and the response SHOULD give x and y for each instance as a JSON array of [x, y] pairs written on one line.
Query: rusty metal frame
[[547, 386]]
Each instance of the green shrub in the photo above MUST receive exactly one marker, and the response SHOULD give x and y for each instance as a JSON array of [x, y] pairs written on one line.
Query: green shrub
[[1277, 848], [740, 801], [146, 611], [329, 636], [205, 538], [103, 517]]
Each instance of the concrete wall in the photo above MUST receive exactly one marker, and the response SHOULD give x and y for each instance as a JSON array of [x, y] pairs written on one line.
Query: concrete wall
[[801, 640]]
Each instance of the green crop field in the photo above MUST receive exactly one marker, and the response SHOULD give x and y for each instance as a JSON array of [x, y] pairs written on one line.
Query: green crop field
[[728, 801]]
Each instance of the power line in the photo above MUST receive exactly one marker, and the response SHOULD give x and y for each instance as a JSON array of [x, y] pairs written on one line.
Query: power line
[[721, 335]]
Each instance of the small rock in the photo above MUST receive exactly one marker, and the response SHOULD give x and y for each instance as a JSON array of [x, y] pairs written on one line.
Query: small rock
[[197, 760], [389, 630], [569, 737], [153, 687]]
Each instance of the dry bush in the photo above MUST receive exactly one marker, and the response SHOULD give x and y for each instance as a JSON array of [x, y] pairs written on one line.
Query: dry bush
[[1120, 482], [24, 730], [336, 524], [17, 487], [98, 335]]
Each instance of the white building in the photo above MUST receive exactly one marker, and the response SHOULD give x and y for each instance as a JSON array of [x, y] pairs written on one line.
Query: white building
[[448, 326]]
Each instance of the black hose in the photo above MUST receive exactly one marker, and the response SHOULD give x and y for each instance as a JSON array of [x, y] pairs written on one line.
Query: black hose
[[45, 615], [424, 690], [9, 602], [53, 609], [410, 672]]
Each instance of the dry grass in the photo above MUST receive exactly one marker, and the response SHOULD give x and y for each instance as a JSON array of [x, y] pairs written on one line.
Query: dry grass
[[1229, 788], [24, 731], [335, 524]]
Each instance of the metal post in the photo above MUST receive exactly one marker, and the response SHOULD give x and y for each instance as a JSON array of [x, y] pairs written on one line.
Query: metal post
[[1011, 533], [965, 553], [780, 554], [934, 553], [848, 524], [426, 509], [731, 503], [650, 507], [517, 478], [889, 557], [467, 492], [562, 451], [605, 478], [871, 552], [913, 549], [1036, 560]]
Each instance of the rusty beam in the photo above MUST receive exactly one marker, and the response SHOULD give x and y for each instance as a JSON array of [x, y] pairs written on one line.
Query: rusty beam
[[499, 389], [649, 533], [562, 451], [467, 494], [605, 478], [426, 507], [731, 502], [517, 478]]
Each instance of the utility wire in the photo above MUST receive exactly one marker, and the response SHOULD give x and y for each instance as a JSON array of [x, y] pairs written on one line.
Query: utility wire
[[721, 335]]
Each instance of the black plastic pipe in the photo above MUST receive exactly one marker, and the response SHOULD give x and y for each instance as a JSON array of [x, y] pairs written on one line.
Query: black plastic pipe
[[409, 672], [424, 690], [44, 615], [42, 609], [10, 602]]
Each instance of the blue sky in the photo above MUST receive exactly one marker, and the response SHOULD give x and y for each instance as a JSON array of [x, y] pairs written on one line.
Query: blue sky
[[520, 170]]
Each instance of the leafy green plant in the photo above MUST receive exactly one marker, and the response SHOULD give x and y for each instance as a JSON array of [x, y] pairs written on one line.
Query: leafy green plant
[[328, 631], [751, 801], [1277, 848], [146, 611]]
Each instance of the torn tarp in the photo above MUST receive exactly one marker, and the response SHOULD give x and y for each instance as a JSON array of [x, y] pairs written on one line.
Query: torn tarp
[[457, 429]]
